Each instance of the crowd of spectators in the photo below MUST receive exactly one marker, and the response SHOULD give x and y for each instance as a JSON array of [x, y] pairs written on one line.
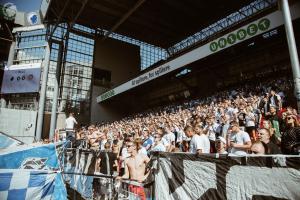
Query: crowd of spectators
[[250, 119]]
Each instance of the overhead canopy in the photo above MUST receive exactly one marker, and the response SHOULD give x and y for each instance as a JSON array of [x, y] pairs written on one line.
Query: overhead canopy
[[159, 22]]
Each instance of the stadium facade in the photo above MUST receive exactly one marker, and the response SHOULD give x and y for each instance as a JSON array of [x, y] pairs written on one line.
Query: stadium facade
[[89, 60]]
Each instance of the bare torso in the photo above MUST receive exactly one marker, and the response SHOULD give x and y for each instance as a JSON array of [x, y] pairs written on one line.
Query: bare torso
[[137, 167]]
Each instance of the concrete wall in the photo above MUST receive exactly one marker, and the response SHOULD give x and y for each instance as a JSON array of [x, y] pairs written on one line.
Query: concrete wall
[[123, 61], [60, 123], [103, 112], [18, 123]]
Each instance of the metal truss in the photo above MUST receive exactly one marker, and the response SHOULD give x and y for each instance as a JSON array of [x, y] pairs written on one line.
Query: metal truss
[[226, 23]]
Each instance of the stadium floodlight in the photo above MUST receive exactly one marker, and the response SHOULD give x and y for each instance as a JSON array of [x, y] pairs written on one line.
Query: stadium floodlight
[[9, 11], [24, 13]]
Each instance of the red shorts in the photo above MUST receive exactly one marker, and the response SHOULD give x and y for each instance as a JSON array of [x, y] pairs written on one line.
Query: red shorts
[[138, 190]]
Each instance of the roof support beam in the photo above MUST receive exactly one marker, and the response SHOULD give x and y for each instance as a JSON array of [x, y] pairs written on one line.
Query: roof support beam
[[78, 13], [59, 18], [124, 18], [9, 31]]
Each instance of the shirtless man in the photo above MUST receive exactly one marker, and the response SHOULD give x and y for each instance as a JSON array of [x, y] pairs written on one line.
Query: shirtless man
[[135, 168], [135, 165]]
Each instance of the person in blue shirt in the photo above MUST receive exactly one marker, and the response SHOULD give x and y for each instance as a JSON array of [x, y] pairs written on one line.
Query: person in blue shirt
[[147, 139]]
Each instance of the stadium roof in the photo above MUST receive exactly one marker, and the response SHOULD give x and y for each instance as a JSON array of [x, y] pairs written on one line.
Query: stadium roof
[[162, 23]]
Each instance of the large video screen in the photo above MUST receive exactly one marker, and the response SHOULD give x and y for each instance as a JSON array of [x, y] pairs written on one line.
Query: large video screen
[[21, 79], [24, 12]]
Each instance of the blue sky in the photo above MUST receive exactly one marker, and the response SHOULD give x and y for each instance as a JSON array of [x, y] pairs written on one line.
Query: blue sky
[[24, 5]]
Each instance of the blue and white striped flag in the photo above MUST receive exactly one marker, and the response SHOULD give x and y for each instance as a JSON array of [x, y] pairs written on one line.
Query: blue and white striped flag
[[16, 184]]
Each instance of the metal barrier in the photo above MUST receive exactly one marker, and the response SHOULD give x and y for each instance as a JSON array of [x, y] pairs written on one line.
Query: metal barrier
[[133, 190], [110, 188], [104, 188], [61, 135], [80, 163]]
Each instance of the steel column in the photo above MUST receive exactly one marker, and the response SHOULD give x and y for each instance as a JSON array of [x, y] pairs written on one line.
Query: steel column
[[292, 48], [39, 127], [56, 89]]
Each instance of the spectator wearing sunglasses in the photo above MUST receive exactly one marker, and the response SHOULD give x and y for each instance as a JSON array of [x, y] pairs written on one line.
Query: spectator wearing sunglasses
[[291, 137], [135, 168]]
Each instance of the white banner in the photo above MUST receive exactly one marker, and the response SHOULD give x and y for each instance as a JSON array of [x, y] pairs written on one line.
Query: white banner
[[239, 35], [21, 79], [187, 176]]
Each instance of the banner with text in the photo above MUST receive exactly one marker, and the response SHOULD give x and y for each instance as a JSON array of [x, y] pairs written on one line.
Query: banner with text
[[239, 35]]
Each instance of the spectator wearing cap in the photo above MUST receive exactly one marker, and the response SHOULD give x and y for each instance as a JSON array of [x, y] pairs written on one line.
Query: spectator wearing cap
[[239, 141], [221, 145]]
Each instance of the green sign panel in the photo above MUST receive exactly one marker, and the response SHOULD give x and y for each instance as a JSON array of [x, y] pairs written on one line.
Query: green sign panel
[[231, 38], [252, 29], [213, 46], [240, 35], [107, 95]]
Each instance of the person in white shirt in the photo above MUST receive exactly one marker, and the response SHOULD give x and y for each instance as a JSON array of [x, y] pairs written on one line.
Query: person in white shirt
[[158, 145], [170, 138], [196, 143], [204, 141], [211, 130], [250, 122], [70, 124], [165, 142], [239, 141]]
